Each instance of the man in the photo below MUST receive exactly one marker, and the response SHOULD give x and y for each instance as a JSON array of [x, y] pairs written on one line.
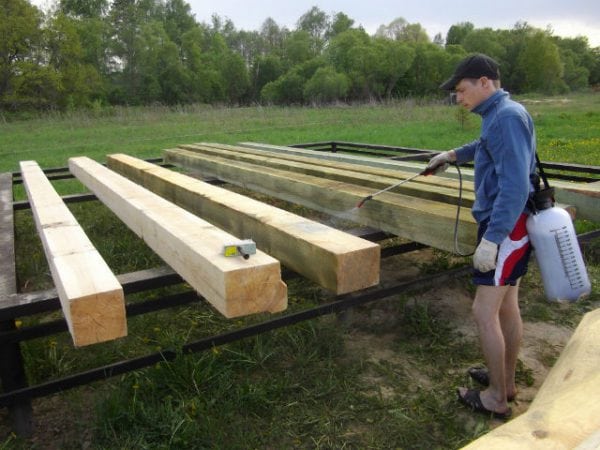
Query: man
[[504, 159]]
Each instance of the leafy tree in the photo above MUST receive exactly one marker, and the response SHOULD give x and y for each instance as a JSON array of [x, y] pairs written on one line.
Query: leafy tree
[[400, 30], [578, 59], [364, 80], [457, 33], [340, 23], [540, 63], [575, 76], [21, 36], [235, 76], [395, 58], [316, 23], [338, 52], [84, 9], [326, 85], [273, 36], [79, 81], [297, 48], [266, 69], [484, 40], [202, 76], [429, 70], [287, 89], [178, 19], [595, 71], [413, 33], [393, 29]]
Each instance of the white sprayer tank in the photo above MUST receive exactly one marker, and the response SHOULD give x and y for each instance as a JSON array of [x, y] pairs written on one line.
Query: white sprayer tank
[[559, 258]]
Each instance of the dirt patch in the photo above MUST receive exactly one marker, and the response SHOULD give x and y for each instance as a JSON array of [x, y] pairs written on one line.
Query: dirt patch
[[542, 341]]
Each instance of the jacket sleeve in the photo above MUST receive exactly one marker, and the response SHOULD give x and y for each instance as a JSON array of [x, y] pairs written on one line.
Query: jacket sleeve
[[466, 153]]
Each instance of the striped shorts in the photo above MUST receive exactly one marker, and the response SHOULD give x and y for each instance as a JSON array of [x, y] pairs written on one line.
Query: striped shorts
[[513, 256]]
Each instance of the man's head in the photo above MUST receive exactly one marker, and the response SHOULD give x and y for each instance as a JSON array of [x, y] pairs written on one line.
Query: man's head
[[474, 80]]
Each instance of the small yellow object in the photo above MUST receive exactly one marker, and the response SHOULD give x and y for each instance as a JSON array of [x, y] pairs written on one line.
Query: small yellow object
[[243, 248], [230, 250]]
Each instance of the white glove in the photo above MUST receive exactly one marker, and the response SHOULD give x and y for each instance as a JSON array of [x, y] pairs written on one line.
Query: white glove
[[440, 162], [485, 256]]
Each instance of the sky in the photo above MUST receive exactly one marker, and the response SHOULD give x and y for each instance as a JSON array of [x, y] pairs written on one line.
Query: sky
[[570, 18]]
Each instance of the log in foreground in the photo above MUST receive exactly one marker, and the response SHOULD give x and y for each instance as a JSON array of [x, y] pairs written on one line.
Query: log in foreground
[[420, 220], [565, 413], [91, 297], [335, 260], [191, 246]]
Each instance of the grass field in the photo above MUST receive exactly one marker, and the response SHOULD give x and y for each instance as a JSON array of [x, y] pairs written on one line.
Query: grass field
[[307, 386]]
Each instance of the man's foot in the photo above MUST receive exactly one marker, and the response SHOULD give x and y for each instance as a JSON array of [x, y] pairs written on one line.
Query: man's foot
[[472, 399], [481, 375]]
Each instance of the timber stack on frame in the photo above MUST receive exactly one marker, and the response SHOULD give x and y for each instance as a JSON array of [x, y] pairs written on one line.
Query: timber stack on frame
[[335, 260], [423, 211], [581, 198], [92, 299], [190, 245]]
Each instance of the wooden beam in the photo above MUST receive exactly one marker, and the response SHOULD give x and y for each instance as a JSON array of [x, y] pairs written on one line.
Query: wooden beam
[[335, 260], [565, 412], [372, 161], [421, 220], [190, 245], [578, 360], [92, 299], [432, 187], [585, 197]]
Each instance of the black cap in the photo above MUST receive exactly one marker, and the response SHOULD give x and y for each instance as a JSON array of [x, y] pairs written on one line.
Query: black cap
[[474, 66]]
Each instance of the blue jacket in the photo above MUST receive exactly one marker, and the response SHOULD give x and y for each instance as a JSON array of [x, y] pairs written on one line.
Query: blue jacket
[[504, 158]]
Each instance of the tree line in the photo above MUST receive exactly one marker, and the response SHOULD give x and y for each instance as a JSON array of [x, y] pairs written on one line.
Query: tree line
[[86, 53]]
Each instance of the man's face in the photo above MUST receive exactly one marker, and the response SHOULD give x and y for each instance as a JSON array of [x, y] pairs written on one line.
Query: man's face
[[471, 92]]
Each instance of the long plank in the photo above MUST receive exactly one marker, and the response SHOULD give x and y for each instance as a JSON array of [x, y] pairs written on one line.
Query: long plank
[[190, 245], [372, 161], [565, 412], [431, 187], [335, 260], [421, 220], [91, 297]]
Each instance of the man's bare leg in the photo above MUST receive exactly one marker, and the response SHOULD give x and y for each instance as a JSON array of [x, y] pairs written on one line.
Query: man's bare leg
[[486, 309], [512, 329]]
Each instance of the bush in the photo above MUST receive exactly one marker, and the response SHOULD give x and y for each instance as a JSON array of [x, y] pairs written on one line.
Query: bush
[[326, 85]]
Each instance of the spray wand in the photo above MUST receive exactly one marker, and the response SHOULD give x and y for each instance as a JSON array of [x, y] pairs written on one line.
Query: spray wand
[[425, 172]]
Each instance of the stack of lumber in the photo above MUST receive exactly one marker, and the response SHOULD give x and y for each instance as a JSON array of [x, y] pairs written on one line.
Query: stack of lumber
[[335, 260], [92, 299], [579, 199], [423, 210], [190, 245], [565, 413]]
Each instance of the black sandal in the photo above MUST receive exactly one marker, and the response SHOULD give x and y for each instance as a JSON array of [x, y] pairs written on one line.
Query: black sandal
[[472, 400], [482, 376]]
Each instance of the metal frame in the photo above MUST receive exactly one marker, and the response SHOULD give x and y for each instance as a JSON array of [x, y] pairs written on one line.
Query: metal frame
[[17, 396]]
